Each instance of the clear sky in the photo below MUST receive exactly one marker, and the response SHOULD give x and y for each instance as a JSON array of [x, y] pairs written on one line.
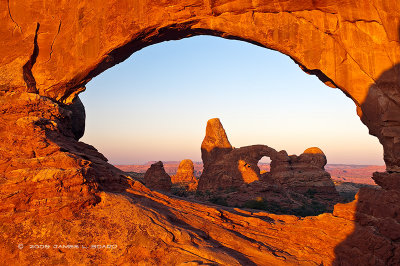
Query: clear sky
[[155, 105]]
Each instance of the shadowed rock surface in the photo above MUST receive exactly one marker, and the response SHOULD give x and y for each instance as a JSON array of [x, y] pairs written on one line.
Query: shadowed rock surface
[[58, 191], [156, 178]]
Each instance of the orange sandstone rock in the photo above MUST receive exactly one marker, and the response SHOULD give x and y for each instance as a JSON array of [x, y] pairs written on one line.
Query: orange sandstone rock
[[215, 143], [185, 172], [56, 190], [185, 175]]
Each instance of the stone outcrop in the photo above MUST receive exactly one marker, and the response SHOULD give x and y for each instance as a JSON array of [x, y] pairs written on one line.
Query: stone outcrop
[[55, 190], [215, 144], [156, 178], [185, 172], [185, 175], [289, 179], [305, 174], [41, 163], [234, 168]]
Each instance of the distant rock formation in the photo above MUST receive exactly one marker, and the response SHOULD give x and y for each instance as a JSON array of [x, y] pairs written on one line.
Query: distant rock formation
[[185, 175], [304, 174], [293, 181], [234, 168], [156, 178], [215, 143]]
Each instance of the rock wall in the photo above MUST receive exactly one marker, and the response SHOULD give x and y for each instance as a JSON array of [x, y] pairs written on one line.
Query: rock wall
[[58, 191]]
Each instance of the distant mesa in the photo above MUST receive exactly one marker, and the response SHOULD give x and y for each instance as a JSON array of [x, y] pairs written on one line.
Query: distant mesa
[[359, 174], [156, 178]]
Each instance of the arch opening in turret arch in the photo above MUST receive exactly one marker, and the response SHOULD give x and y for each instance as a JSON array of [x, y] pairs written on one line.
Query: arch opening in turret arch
[[264, 164]]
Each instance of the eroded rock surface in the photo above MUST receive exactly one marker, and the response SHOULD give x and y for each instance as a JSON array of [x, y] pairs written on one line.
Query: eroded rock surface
[[215, 144], [185, 172], [58, 191]]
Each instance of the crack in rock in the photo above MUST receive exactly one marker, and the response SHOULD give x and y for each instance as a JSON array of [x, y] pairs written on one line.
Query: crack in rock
[[9, 13], [54, 39], [27, 68]]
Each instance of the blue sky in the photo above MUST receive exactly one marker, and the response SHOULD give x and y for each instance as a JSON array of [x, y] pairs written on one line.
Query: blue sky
[[155, 105]]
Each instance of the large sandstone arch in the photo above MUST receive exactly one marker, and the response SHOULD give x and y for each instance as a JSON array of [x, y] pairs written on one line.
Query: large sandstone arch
[[51, 183], [55, 49]]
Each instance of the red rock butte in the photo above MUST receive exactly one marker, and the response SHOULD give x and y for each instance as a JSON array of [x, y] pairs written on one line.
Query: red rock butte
[[55, 190]]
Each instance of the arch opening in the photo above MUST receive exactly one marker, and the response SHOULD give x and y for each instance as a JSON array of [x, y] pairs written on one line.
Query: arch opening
[[278, 106], [235, 87], [264, 164]]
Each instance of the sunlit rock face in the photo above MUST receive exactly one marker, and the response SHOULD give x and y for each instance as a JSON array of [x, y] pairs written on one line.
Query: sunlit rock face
[[305, 174], [185, 175], [185, 172], [56, 190]]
